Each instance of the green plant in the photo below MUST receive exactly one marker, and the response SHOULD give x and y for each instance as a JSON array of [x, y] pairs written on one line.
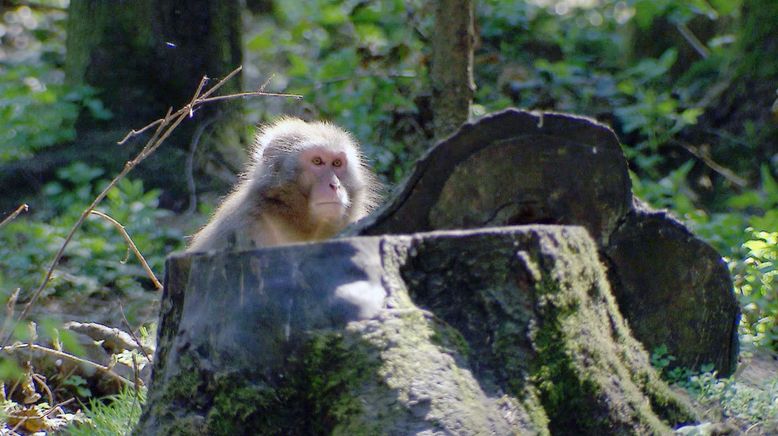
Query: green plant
[[37, 109], [756, 279], [115, 415], [662, 361], [736, 399], [94, 261]]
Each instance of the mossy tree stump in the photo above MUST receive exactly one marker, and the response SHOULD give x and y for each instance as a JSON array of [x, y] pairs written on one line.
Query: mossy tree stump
[[516, 167], [514, 330]]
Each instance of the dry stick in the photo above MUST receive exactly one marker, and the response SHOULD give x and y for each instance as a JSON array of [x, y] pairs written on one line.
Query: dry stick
[[14, 214], [134, 132], [58, 406], [164, 129], [248, 94], [190, 183], [132, 246], [692, 39], [67, 356], [196, 140], [42, 383], [132, 333], [715, 166]]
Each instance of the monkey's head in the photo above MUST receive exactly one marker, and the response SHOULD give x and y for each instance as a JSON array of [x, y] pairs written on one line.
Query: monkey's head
[[312, 175]]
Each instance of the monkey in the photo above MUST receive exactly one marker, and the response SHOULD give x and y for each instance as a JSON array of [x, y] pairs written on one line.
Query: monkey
[[305, 181]]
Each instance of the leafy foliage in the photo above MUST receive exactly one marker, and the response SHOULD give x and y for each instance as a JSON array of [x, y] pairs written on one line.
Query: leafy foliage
[[755, 405], [573, 60], [735, 399], [37, 110], [756, 278], [360, 64], [93, 262]]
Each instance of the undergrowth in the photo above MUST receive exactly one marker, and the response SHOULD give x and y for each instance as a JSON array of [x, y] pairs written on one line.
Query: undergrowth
[[112, 416]]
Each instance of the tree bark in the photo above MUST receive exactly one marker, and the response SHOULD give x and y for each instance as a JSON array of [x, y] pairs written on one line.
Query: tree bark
[[451, 69]]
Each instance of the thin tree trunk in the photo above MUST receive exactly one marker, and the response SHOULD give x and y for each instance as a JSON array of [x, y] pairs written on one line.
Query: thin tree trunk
[[452, 65]]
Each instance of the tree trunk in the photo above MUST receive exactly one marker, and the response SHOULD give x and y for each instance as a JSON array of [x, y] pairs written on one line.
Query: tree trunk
[[144, 57], [451, 70]]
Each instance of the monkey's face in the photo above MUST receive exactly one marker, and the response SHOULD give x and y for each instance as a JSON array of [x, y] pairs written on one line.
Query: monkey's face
[[325, 174]]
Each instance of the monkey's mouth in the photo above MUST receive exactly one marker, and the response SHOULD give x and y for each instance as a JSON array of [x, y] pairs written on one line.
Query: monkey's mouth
[[329, 203]]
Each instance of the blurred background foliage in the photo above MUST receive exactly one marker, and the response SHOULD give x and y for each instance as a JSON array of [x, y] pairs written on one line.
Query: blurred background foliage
[[665, 74]]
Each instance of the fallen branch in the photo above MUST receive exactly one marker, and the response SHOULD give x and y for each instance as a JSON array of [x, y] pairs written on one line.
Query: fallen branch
[[131, 245], [70, 357], [165, 127]]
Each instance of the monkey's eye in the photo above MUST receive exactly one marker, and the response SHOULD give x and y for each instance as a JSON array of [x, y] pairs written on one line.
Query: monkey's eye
[[317, 161], [337, 163]]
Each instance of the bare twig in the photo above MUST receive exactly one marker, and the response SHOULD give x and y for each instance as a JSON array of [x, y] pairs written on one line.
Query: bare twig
[[132, 246], [164, 128], [715, 166], [10, 309], [14, 214], [132, 333], [58, 407], [42, 383], [692, 39], [67, 356], [134, 132], [249, 94], [190, 164]]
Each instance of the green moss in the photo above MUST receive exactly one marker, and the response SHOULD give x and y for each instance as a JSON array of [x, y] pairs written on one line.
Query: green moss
[[450, 339], [186, 384], [312, 394], [566, 395], [237, 403], [530, 401], [576, 363]]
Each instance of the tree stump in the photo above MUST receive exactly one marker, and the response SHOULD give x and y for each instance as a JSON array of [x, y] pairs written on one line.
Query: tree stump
[[516, 167], [492, 331]]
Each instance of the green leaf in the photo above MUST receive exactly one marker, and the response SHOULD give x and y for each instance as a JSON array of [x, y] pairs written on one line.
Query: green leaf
[[333, 15], [745, 200], [261, 41], [689, 116], [726, 7], [769, 185]]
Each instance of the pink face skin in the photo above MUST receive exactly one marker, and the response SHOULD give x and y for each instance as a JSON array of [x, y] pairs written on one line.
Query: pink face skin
[[323, 170]]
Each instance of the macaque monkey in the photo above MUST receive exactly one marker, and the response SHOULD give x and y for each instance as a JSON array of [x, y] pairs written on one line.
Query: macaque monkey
[[305, 182]]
